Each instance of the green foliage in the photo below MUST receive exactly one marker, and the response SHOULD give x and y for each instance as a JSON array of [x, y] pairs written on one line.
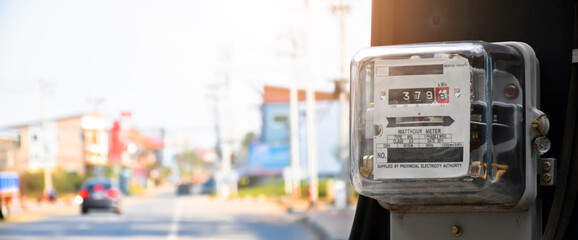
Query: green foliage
[[244, 182], [321, 188], [192, 158], [108, 171], [32, 184], [66, 182], [275, 189], [166, 172], [188, 161]]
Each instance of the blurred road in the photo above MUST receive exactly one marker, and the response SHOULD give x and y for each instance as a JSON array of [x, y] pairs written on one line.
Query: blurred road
[[166, 216]]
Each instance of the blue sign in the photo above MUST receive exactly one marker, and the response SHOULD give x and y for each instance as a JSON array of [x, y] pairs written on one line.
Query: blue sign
[[265, 156]]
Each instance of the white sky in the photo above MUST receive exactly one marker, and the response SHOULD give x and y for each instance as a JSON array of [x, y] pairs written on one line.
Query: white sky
[[158, 59]]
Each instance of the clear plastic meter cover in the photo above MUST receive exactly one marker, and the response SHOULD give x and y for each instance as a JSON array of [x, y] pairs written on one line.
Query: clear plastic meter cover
[[436, 125]]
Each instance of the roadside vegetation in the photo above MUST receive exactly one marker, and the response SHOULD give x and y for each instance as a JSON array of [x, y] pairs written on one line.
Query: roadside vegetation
[[276, 189], [65, 183]]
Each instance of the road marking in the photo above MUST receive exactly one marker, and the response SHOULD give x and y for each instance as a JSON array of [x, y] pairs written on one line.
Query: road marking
[[174, 228]]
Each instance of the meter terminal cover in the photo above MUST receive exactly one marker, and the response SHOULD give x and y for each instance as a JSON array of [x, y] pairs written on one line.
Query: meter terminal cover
[[445, 126]]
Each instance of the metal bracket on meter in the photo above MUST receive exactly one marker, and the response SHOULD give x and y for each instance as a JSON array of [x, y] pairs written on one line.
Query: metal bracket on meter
[[547, 168], [541, 126]]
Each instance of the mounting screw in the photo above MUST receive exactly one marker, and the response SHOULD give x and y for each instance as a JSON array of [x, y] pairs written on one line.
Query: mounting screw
[[457, 230], [511, 91], [547, 166], [378, 129], [536, 124], [547, 177]]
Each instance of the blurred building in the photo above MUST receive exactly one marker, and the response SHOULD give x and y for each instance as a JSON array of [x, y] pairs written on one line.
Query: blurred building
[[95, 139], [9, 142], [83, 143], [134, 155], [271, 153], [69, 142], [69, 152]]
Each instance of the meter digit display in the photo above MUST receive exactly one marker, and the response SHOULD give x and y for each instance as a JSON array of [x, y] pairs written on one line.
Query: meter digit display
[[411, 96], [442, 95]]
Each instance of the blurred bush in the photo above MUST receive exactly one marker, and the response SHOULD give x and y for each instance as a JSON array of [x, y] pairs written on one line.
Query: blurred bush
[[274, 189], [66, 182], [277, 189], [32, 183], [321, 188], [107, 171]]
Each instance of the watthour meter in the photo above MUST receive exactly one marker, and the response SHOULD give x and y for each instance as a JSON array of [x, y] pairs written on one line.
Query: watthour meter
[[446, 125]]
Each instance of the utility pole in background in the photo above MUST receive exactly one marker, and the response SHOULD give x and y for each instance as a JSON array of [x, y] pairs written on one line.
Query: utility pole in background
[[341, 84], [226, 179], [294, 125], [214, 96], [44, 90], [221, 145], [310, 108]]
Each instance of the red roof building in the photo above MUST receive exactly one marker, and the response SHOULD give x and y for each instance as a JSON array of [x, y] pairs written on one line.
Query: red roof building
[[279, 94]]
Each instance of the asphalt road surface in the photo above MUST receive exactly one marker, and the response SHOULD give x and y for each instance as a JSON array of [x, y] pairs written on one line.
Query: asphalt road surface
[[169, 217]]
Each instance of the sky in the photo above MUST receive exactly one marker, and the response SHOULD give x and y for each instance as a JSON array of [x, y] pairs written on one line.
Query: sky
[[167, 61]]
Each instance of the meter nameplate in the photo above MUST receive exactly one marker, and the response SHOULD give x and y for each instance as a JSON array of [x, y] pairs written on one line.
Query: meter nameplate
[[422, 107]]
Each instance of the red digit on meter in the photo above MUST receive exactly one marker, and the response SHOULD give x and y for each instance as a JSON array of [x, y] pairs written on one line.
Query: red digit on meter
[[442, 95]]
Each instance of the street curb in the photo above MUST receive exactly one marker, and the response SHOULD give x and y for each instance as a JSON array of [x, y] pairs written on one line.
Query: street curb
[[316, 228], [45, 210], [306, 219], [32, 215]]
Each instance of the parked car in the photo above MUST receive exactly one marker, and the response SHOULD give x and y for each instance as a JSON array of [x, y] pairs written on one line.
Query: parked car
[[209, 186], [100, 193], [184, 189]]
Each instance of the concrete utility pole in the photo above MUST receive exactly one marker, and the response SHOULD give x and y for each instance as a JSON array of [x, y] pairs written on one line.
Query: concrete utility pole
[[44, 90], [311, 127], [226, 179], [294, 126], [214, 96], [341, 84]]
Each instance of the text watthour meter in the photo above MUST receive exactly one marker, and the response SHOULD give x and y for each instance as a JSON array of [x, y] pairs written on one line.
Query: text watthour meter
[[446, 126]]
